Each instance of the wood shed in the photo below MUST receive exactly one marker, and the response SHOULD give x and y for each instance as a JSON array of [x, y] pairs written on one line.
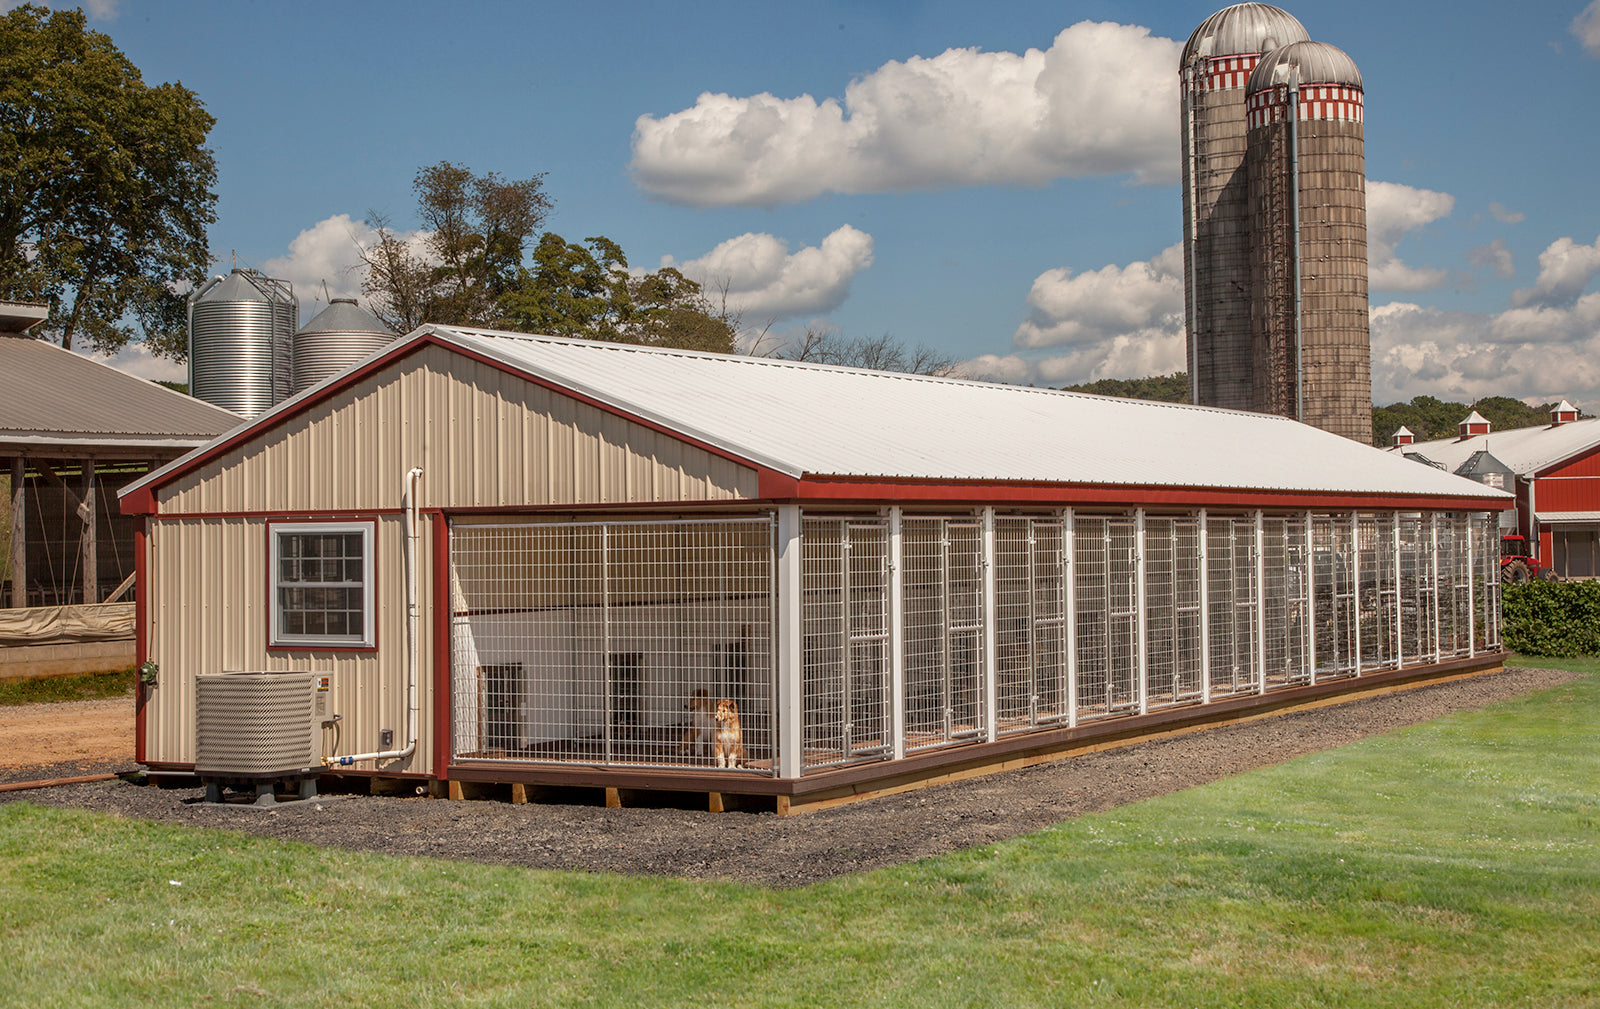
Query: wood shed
[[538, 561]]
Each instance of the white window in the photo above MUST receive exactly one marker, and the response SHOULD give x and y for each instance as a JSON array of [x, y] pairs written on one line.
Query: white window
[[322, 585]]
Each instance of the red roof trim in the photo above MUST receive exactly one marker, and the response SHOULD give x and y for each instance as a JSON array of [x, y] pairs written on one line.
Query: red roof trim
[[845, 489]]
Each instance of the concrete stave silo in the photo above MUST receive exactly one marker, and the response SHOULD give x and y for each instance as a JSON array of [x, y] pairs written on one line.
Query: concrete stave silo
[[339, 336], [1306, 164], [240, 332], [1215, 66]]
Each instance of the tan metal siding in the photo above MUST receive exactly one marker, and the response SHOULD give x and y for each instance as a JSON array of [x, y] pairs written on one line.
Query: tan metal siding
[[209, 611], [484, 438]]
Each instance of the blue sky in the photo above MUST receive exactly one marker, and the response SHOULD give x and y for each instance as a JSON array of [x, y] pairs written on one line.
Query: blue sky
[[996, 181]]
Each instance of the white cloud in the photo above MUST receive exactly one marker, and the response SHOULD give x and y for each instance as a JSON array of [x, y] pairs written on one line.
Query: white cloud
[[136, 359], [1101, 100], [1539, 353], [1393, 210], [1093, 307], [328, 251], [1114, 322], [1499, 212], [1494, 256], [1565, 269], [765, 281], [1586, 28]]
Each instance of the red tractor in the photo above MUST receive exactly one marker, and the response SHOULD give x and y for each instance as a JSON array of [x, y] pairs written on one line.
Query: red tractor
[[1518, 564]]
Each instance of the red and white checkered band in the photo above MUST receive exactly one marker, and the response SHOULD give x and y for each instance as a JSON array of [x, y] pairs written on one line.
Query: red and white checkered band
[[1222, 73], [1317, 101]]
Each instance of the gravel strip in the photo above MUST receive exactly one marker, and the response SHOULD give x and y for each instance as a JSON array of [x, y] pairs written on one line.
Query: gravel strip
[[793, 851]]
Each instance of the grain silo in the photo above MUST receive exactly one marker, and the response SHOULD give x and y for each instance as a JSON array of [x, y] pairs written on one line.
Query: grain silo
[[1215, 67], [1306, 165], [340, 335], [240, 333]]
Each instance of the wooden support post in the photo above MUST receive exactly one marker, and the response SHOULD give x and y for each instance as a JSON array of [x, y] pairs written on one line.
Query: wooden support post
[[613, 798], [783, 805], [456, 794], [715, 801], [519, 793], [86, 538], [19, 533]]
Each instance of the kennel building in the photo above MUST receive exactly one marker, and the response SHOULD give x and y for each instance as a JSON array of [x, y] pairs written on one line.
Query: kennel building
[[539, 561]]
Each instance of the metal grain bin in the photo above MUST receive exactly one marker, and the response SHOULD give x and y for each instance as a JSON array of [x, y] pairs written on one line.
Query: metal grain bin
[[1213, 70], [340, 335], [240, 333]]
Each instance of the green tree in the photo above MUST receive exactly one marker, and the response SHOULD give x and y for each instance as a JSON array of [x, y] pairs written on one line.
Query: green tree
[[586, 290], [106, 185], [475, 232], [1172, 388]]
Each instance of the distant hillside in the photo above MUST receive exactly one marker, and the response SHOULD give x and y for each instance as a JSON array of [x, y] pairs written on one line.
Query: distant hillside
[[1427, 417], [182, 387], [1172, 388]]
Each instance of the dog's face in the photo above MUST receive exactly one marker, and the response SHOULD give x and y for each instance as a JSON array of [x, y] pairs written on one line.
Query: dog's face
[[727, 711], [698, 701]]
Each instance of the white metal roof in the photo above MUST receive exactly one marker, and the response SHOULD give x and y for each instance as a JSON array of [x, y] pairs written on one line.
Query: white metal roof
[[1525, 449], [821, 420]]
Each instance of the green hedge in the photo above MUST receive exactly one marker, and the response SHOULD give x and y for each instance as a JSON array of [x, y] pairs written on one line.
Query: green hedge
[[1555, 619]]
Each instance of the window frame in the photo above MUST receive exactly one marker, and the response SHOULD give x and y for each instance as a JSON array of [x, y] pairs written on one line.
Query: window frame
[[367, 640]]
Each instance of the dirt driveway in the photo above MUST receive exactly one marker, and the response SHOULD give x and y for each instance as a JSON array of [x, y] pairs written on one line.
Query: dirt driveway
[[71, 734]]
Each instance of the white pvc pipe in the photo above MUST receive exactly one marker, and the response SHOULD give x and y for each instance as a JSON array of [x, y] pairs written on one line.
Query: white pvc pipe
[[412, 477]]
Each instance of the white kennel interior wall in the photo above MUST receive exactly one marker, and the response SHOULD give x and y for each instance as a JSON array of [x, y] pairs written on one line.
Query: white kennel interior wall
[[586, 641]]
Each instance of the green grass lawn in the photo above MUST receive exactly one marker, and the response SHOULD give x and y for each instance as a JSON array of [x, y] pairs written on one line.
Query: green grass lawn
[[87, 687], [1451, 864]]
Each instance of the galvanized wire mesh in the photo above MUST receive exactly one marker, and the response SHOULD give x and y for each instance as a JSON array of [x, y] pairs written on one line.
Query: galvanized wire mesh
[[1377, 595], [1231, 585], [1333, 595], [943, 562], [1285, 578], [1172, 610], [1107, 614], [845, 617], [1486, 577], [613, 642], [1030, 615]]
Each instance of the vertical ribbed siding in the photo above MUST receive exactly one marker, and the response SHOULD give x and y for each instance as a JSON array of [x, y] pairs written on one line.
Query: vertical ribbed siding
[[490, 439], [208, 612]]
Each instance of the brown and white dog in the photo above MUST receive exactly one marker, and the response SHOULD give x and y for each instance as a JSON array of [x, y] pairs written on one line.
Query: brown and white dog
[[727, 742], [702, 724]]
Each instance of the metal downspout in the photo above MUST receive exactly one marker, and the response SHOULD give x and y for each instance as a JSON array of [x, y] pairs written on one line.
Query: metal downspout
[[413, 475], [1294, 192], [1193, 238]]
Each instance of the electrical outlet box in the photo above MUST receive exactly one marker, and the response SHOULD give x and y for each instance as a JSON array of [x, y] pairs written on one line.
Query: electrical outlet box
[[386, 738]]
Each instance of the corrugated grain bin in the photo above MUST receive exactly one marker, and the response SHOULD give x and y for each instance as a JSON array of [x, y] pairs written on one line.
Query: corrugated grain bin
[[240, 329], [340, 335]]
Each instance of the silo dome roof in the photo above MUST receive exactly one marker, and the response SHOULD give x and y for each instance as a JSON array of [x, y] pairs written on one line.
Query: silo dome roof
[[1318, 62], [1243, 28], [239, 286], [343, 315]]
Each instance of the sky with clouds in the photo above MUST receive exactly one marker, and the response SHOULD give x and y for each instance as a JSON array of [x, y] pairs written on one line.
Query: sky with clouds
[[995, 181]]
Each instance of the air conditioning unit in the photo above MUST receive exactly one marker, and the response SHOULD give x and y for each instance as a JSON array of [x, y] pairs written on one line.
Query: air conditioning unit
[[260, 726]]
